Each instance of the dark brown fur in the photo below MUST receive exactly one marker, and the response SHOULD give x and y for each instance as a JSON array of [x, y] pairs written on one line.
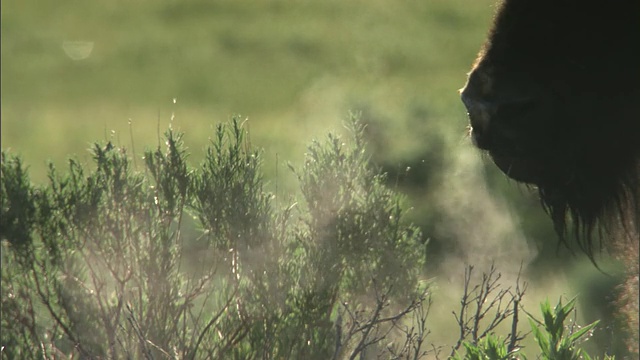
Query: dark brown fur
[[554, 98]]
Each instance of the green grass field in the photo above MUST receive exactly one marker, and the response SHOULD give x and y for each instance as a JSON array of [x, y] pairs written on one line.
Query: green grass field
[[294, 68]]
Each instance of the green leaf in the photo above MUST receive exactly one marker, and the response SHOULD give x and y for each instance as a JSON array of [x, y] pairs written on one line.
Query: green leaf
[[540, 337], [578, 334]]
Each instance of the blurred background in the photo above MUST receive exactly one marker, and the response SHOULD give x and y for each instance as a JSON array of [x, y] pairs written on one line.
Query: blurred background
[[75, 72]]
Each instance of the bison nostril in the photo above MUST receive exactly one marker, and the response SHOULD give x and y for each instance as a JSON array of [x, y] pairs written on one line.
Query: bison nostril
[[494, 121], [470, 102]]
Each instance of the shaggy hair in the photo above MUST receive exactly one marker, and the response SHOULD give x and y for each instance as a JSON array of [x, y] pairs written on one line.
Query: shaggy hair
[[554, 98]]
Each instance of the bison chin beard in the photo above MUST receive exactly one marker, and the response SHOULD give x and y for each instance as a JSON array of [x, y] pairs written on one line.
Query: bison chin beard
[[590, 196]]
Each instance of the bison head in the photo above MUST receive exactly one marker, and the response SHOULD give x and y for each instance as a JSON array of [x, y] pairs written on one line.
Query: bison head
[[554, 98]]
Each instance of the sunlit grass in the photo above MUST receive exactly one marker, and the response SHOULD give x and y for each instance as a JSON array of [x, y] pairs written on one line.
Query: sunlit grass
[[269, 60]]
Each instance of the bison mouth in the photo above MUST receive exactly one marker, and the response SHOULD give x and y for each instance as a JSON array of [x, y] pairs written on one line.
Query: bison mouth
[[522, 169], [509, 160]]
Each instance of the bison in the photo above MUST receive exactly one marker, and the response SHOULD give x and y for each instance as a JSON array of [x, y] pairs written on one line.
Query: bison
[[554, 98]]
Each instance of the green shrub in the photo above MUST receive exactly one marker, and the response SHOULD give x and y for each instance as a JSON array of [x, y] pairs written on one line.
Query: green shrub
[[106, 263], [558, 338]]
